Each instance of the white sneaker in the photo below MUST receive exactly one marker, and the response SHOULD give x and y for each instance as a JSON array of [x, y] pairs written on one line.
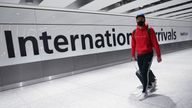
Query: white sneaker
[[138, 94], [143, 96], [137, 91]]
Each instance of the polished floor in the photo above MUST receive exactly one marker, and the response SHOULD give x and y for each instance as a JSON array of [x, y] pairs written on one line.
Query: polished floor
[[110, 87]]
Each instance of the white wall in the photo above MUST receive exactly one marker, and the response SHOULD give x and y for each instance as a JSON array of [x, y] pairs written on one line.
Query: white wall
[[33, 21]]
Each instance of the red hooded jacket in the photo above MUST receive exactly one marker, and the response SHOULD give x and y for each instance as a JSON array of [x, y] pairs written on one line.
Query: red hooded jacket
[[142, 43]]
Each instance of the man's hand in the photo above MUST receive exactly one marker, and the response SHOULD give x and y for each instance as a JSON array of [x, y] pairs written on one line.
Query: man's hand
[[159, 59], [133, 59]]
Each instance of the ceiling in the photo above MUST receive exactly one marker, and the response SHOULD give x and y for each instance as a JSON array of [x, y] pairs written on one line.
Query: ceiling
[[171, 9]]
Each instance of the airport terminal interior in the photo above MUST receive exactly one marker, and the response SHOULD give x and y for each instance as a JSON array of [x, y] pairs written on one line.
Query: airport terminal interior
[[78, 53]]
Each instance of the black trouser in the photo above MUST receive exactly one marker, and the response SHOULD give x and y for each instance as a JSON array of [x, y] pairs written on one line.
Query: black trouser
[[151, 77], [146, 75]]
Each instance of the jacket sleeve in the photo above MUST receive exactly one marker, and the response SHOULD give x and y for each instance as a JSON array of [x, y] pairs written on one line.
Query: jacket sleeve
[[155, 42], [133, 44]]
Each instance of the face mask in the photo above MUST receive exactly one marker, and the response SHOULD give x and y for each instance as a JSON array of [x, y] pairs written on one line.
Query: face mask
[[140, 23]]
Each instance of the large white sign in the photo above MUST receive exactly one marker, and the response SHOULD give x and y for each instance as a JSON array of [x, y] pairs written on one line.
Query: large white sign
[[30, 43], [29, 34]]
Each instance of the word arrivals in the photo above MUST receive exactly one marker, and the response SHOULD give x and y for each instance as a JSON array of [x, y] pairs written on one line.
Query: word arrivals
[[64, 43], [168, 35]]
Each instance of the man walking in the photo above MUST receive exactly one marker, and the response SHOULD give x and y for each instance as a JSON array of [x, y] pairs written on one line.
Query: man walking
[[143, 41]]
